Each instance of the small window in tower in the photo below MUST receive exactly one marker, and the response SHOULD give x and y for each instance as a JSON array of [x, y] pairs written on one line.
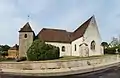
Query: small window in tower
[[25, 35], [63, 48]]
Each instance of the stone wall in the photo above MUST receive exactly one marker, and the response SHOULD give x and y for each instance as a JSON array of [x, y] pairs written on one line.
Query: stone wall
[[57, 64], [24, 43]]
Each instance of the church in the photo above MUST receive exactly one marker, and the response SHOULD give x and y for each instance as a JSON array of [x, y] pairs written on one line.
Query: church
[[84, 41]]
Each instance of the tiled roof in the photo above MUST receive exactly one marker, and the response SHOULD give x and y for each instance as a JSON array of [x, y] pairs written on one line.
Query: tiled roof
[[54, 35], [15, 47], [57, 35], [79, 32]]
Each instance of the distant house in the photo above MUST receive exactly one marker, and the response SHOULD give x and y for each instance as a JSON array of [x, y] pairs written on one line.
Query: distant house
[[84, 41], [13, 51]]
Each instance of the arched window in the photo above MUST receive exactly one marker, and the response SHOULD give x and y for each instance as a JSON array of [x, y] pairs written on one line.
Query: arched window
[[63, 48], [93, 45], [25, 35], [75, 47]]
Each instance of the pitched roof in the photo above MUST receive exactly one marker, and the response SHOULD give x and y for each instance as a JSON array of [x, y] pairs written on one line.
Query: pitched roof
[[26, 28], [57, 35], [15, 47], [54, 35], [79, 32]]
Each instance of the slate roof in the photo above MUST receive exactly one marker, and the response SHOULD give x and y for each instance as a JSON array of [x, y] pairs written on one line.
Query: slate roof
[[15, 47], [57, 35], [26, 28]]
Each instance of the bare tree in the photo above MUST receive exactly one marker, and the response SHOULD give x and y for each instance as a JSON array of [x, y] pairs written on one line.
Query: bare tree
[[114, 42]]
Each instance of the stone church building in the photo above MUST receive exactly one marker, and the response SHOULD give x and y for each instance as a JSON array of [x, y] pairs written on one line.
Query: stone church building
[[84, 41]]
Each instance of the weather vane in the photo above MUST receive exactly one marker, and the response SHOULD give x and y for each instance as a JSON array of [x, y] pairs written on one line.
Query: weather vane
[[28, 17]]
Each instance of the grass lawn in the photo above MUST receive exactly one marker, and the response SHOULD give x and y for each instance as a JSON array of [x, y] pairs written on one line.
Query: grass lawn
[[90, 57]]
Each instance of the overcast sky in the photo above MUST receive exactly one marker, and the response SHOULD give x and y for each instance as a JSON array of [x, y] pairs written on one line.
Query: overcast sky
[[64, 14]]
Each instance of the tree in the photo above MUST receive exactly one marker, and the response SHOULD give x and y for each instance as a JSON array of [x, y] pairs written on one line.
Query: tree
[[4, 53], [104, 44], [114, 42], [3, 50], [41, 51], [4, 47]]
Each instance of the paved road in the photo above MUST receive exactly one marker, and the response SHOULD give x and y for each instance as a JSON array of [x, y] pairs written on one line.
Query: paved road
[[113, 72]]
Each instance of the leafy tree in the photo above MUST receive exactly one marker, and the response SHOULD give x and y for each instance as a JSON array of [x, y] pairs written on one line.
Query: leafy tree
[[41, 51], [4, 50], [4, 47], [4, 53]]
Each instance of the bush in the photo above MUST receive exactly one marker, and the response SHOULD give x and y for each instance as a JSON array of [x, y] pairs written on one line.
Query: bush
[[6, 59], [111, 50], [2, 59], [20, 59], [41, 51], [3, 53]]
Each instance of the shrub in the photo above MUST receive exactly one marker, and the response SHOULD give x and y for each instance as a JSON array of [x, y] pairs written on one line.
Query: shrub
[[6, 59], [3, 53], [41, 51], [2, 59], [111, 50], [20, 59]]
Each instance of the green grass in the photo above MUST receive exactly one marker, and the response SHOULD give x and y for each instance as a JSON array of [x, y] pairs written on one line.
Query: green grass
[[82, 58], [68, 58]]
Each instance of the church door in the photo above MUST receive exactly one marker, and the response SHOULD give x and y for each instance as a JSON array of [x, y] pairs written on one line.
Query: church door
[[83, 50]]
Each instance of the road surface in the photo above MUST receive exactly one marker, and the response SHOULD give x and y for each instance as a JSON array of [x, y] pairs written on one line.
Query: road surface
[[113, 72]]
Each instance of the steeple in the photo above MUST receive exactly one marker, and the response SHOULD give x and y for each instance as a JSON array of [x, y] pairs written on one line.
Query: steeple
[[26, 36], [26, 28]]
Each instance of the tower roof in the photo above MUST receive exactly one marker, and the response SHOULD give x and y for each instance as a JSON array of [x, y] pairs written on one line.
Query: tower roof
[[26, 28]]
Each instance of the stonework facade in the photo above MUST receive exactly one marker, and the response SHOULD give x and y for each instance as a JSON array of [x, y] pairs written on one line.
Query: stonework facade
[[25, 43], [84, 41], [26, 36], [13, 52]]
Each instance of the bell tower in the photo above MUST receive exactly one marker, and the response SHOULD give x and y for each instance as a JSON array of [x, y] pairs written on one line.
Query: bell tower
[[26, 36]]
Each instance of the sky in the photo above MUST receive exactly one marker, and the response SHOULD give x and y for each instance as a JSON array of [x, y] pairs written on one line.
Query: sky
[[61, 14]]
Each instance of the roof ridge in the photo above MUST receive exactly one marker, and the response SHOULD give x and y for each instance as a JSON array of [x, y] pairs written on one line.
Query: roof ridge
[[79, 32], [85, 22], [15, 47], [54, 29]]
